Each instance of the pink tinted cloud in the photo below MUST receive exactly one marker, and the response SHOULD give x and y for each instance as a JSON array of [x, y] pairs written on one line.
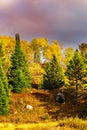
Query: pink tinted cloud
[[55, 19]]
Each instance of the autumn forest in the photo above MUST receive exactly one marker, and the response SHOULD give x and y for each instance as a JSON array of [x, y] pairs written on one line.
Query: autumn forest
[[40, 70]]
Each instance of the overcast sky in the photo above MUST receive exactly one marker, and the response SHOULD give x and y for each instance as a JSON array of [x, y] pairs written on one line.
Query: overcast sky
[[64, 20]]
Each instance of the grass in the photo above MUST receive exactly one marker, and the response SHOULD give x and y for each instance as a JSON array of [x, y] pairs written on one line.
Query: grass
[[67, 124], [47, 114]]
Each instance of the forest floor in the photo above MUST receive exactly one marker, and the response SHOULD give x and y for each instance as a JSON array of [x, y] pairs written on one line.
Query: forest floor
[[45, 109]]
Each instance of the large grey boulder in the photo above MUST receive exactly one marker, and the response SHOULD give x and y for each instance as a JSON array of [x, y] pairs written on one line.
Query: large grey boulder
[[60, 98]]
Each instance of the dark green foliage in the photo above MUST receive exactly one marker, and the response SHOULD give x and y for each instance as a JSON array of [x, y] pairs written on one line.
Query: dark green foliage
[[83, 50], [1, 53], [53, 77], [4, 92], [75, 70], [19, 76], [2, 56]]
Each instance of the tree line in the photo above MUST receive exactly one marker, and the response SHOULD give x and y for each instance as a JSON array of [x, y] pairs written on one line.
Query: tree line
[[24, 65]]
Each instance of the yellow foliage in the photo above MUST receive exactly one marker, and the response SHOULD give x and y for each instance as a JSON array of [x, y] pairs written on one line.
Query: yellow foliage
[[56, 50], [48, 53], [8, 44], [27, 50], [43, 42], [53, 49], [37, 72], [69, 53], [39, 44], [36, 69]]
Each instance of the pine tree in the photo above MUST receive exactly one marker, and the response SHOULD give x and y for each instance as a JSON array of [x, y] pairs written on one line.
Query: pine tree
[[4, 92], [75, 70], [83, 50], [53, 77], [2, 56], [19, 76]]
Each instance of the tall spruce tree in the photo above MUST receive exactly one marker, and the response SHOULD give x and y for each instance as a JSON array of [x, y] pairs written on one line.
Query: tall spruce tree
[[75, 70], [83, 50], [4, 89], [53, 76], [2, 56], [19, 76]]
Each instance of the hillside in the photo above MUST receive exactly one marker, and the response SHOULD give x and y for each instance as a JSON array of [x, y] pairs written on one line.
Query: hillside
[[44, 107]]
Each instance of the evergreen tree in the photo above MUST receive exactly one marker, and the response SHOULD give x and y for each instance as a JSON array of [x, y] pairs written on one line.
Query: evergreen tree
[[75, 70], [2, 57], [4, 92], [1, 53], [53, 77], [19, 76], [83, 50]]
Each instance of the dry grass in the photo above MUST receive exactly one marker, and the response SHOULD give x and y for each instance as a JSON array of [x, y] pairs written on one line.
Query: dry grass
[[67, 124], [47, 114]]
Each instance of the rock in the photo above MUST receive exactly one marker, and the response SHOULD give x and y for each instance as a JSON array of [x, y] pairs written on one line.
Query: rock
[[60, 98], [29, 107]]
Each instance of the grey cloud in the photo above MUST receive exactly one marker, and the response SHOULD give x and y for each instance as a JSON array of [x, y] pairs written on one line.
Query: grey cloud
[[53, 19]]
